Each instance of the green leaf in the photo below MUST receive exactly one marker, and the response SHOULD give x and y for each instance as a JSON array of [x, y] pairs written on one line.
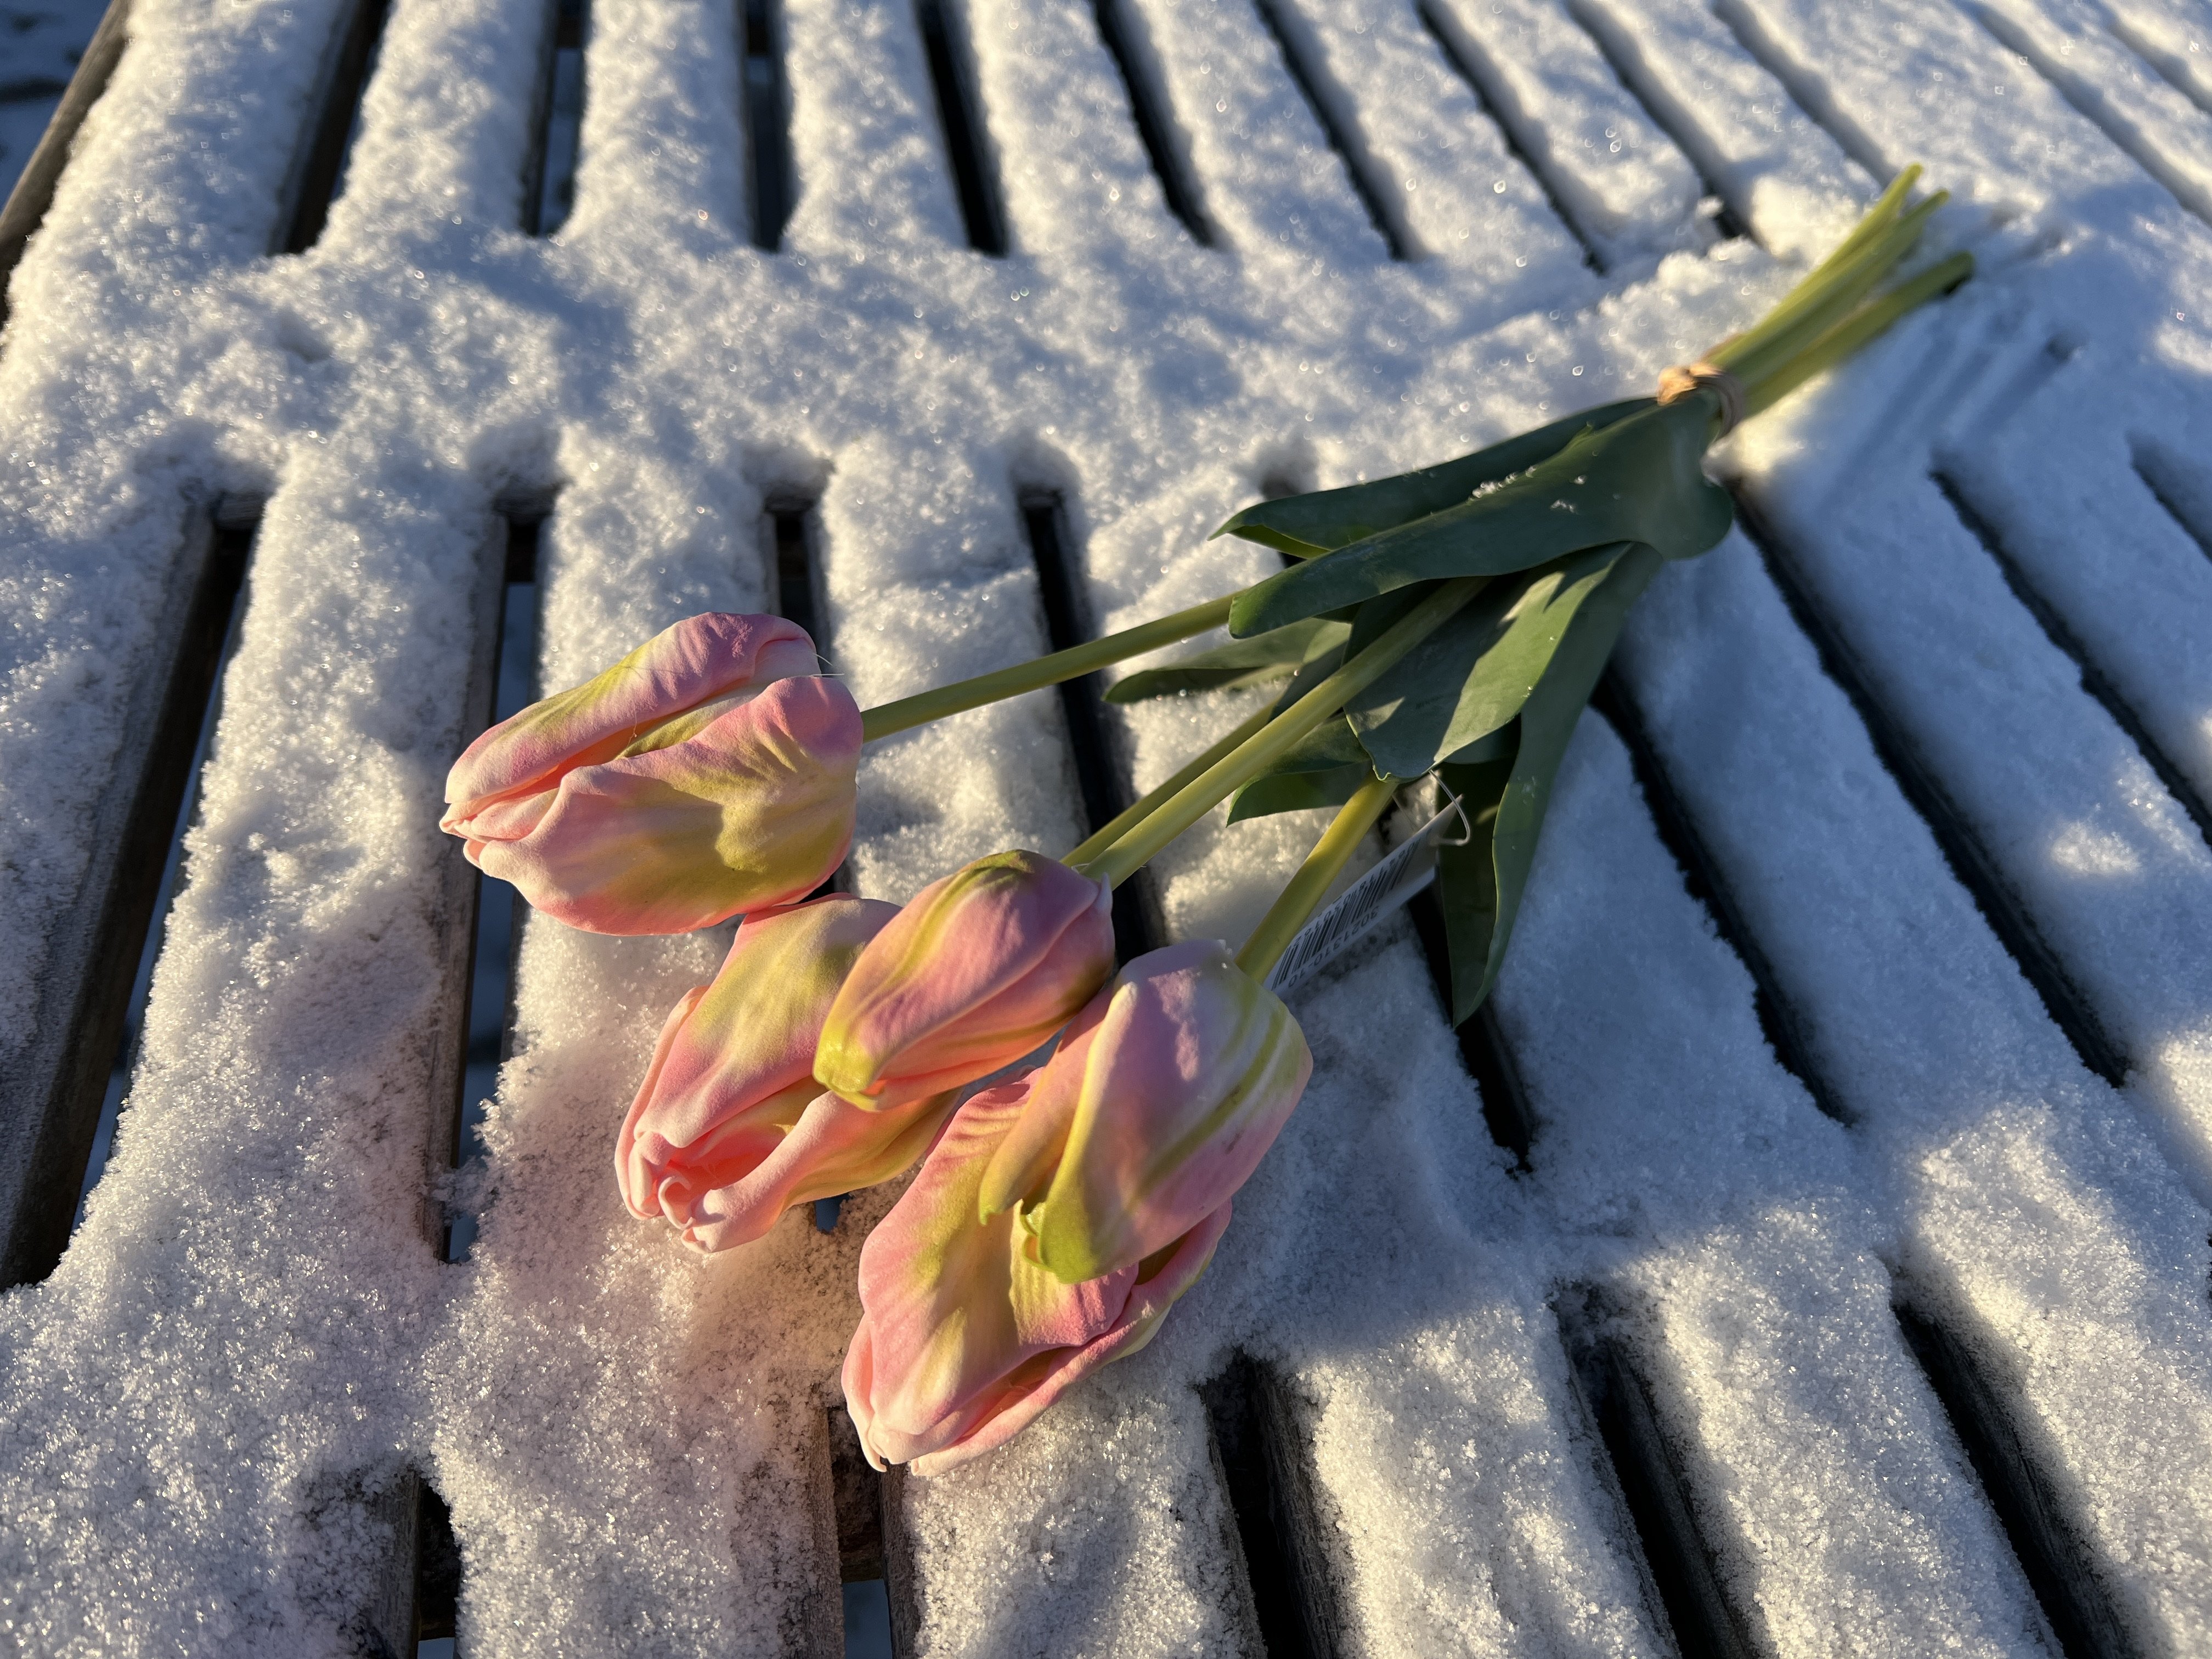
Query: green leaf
[[1293, 792], [1466, 875], [1479, 886], [1639, 480], [1324, 520], [1241, 662], [1324, 768], [1471, 676]]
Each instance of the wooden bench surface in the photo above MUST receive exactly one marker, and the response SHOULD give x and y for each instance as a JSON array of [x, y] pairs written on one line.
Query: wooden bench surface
[[1807, 1252]]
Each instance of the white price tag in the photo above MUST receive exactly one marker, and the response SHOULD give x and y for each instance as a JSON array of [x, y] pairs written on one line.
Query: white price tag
[[1410, 866]]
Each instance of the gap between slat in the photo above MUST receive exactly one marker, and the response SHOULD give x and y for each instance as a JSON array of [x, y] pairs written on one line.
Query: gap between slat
[[1150, 108], [320, 173], [1262, 1460], [1779, 1021], [2093, 678], [33, 192], [1969, 861], [496, 927], [2021, 1494], [1804, 90], [1466, 61], [1677, 1562], [171, 800], [959, 111], [1624, 57], [771, 185], [1099, 775], [1482, 1049], [1331, 110], [550, 180], [864, 1504]]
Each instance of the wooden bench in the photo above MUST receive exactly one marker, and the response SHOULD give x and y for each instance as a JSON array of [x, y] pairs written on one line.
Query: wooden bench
[[1806, 1252]]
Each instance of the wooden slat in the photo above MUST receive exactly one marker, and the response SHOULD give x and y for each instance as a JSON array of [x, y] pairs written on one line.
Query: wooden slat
[[34, 189], [54, 1073]]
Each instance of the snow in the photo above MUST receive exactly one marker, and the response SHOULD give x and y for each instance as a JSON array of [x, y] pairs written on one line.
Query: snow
[[253, 1332]]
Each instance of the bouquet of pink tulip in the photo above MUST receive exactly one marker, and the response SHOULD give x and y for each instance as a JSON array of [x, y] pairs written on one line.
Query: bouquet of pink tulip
[[1451, 621]]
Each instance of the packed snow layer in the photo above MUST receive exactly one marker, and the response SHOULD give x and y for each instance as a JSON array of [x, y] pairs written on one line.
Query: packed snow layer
[[252, 1333]]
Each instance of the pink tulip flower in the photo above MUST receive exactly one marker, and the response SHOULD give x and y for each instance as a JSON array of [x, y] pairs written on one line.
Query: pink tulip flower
[[978, 970], [729, 1129], [963, 1338], [1158, 1103], [708, 773]]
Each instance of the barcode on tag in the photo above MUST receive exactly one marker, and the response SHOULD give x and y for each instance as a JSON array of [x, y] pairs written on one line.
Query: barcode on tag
[[1410, 866]]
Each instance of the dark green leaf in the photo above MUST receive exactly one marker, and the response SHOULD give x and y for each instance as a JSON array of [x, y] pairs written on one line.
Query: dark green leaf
[[1241, 662], [1324, 768], [1639, 480], [1312, 672], [1466, 875], [1471, 676], [1303, 526], [1480, 905], [1293, 792]]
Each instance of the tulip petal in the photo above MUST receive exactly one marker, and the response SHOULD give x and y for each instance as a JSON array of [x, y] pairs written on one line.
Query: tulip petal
[[697, 660], [834, 1147], [954, 1310], [753, 811], [1148, 1304], [731, 1076], [1184, 1086], [979, 970]]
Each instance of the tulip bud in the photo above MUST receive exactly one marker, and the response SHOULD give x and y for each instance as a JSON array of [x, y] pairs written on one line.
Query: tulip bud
[[708, 773], [964, 1338], [978, 970], [1158, 1105], [729, 1129]]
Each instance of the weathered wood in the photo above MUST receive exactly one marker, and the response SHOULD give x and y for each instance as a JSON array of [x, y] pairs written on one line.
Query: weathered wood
[[52, 1085], [320, 164], [34, 191]]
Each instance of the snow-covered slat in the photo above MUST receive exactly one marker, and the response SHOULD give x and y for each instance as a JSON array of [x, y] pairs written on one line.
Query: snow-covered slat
[[289, 1133], [89, 893], [35, 158], [1745, 1242], [929, 579], [1076, 177], [1782, 177], [705, 1384], [2096, 545], [2170, 137], [2037, 1217], [480, 66], [1624, 184], [866, 148], [1108, 1535], [2112, 871], [1433, 151]]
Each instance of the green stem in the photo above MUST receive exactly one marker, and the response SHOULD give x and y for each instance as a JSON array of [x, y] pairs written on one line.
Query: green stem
[[1071, 663], [1814, 283], [1275, 739], [1298, 901], [1856, 332], [1133, 816], [1841, 295]]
